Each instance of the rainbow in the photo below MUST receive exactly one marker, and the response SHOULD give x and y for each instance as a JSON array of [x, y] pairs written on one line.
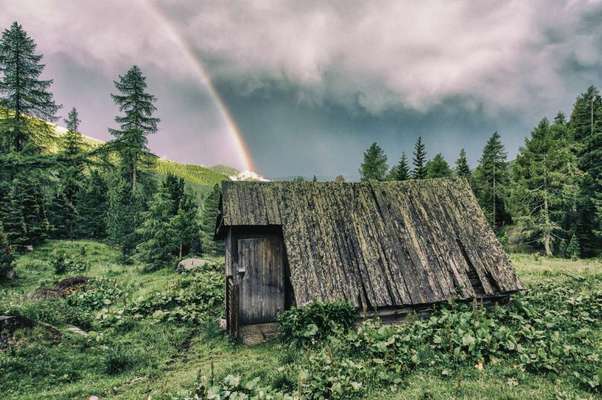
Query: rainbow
[[243, 152]]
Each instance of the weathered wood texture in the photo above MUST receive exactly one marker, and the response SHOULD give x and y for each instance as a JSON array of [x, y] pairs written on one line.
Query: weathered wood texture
[[232, 306], [378, 244], [262, 285]]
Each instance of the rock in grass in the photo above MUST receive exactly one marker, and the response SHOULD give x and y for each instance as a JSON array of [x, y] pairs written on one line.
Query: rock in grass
[[190, 264]]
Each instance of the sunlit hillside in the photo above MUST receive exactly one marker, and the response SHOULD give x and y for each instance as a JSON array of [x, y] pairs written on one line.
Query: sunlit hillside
[[198, 177]]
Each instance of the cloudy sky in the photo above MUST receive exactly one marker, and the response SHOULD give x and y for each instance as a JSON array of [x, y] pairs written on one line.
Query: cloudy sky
[[310, 84]]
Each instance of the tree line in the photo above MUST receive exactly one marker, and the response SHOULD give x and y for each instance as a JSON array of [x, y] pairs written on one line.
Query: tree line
[[548, 199], [61, 187]]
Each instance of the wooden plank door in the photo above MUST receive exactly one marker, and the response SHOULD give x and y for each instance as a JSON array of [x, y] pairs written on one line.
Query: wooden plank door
[[262, 286]]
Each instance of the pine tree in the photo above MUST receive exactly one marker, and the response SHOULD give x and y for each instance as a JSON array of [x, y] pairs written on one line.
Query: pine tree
[[401, 171], [157, 234], [123, 214], [208, 219], [22, 92], [462, 168], [438, 167], [375, 165], [13, 220], [73, 140], [491, 181], [174, 187], [573, 249], [185, 225], [64, 205], [61, 216], [34, 210], [419, 171], [92, 207], [589, 151], [135, 125], [7, 258], [544, 184], [583, 116]]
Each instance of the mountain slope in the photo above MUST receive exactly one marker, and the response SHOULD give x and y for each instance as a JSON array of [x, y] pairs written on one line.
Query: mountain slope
[[198, 177]]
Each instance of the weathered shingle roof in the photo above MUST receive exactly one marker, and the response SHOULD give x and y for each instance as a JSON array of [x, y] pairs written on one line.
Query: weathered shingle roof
[[378, 244]]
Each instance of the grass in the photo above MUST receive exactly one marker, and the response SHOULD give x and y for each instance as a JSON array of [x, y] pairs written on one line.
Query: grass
[[140, 358]]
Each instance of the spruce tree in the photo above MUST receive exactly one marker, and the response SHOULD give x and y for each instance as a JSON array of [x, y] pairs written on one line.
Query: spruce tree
[[158, 238], [92, 207], [13, 220], [73, 140], [401, 171], [22, 93], [589, 150], [438, 167], [544, 184], [462, 169], [174, 187], [573, 249], [7, 258], [375, 165], [61, 216], [136, 123], [419, 171], [124, 208], [63, 209], [208, 218], [185, 225], [491, 181], [584, 114]]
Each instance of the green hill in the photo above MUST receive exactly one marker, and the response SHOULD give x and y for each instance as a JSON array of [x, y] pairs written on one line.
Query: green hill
[[224, 170], [200, 178]]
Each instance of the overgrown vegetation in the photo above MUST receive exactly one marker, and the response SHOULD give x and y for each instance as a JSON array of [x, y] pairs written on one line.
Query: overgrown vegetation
[[152, 333], [301, 326]]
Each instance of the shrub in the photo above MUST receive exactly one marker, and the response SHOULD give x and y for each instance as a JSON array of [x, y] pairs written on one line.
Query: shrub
[[232, 387], [310, 324], [549, 329], [98, 293], [194, 298], [330, 377], [63, 264]]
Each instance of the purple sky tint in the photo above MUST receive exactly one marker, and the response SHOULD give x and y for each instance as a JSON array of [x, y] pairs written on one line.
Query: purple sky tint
[[312, 83]]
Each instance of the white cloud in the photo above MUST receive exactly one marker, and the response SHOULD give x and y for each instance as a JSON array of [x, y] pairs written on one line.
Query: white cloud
[[503, 54], [377, 54]]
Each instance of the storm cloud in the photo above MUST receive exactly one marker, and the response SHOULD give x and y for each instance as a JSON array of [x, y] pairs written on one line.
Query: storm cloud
[[312, 83]]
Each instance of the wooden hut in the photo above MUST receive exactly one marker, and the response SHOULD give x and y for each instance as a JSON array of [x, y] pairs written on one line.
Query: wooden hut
[[385, 247]]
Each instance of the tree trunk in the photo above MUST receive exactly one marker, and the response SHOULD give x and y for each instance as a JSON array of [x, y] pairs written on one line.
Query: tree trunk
[[547, 229], [134, 178]]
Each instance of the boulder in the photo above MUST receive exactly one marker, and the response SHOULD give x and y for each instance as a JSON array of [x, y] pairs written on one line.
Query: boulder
[[190, 264]]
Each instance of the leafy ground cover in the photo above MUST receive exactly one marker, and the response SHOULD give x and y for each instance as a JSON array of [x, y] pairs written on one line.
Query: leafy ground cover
[[155, 334]]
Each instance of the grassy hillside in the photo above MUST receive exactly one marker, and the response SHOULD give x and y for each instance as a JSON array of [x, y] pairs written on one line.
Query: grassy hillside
[[149, 335], [200, 178]]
